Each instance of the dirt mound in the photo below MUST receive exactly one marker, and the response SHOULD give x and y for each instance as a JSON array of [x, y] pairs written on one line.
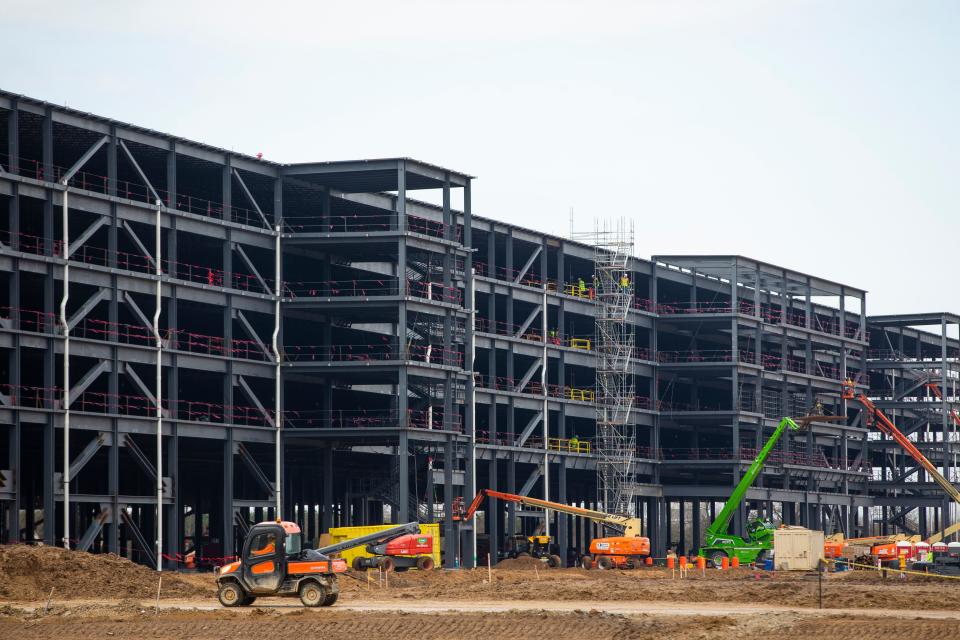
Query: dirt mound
[[28, 573], [525, 562]]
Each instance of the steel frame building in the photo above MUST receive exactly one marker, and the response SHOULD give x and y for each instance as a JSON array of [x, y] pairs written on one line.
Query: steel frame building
[[228, 336]]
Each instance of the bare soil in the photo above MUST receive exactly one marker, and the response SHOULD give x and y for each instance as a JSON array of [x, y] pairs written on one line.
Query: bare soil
[[846, 590], [29, 573], [102, 596], [128, 621]]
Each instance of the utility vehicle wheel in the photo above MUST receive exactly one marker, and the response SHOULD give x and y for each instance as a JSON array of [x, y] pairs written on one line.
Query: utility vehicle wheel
[[333, 592], [586, 562], [386, 563], [231, 594], [605, 562], [424, 563], [358, 564], [312, 594], [553, 561], [716, 558]]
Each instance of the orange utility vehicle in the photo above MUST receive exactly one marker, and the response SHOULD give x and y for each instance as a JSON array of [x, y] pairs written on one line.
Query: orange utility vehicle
[[274, 563], [626, 551]]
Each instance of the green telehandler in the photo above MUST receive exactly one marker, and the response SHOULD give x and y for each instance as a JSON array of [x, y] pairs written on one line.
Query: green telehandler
[[718, 541]]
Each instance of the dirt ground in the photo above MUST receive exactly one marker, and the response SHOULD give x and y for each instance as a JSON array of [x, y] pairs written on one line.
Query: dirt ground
[[97, 596], [128, 620]]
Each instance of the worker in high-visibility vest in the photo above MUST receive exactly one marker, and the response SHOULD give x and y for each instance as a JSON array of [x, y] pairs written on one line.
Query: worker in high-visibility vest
[[574, 443], [581, 287], [624, 282]]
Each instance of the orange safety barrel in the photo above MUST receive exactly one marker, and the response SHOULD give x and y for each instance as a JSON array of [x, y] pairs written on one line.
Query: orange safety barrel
[[649, 561], [734, 562], [725, 562], [683, 562], [670, 562], [701, 563]]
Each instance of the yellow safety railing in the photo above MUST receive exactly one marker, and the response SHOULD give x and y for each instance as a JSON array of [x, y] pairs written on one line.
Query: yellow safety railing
[[573, 289], [568, 444], [584, 395], [581, 343]]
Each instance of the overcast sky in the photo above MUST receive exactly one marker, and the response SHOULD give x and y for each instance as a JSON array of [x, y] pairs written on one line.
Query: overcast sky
[[823, 136]]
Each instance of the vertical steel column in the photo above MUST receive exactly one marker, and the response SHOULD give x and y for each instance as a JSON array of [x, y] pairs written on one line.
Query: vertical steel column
[[277, 389], [546, 408], [735, 393], [492, 519], [66, 367], [449, 532], [158, 271], [471, 390], [402, 513], [402, 382]]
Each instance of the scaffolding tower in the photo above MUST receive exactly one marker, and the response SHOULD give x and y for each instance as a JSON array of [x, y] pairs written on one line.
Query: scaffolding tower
[[616, 432]]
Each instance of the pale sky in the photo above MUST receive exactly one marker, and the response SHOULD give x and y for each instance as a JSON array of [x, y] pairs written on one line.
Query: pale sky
[[822, 136]]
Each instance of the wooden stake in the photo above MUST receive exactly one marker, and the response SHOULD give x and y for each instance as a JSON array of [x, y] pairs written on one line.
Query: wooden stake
[[159, 584], [49, 598], [489, 570]]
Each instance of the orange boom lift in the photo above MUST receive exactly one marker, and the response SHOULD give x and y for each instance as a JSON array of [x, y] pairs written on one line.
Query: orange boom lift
[[885, 425], [625, 551]]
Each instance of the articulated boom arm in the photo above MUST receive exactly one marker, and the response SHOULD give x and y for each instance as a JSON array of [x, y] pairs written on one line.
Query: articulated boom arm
[[884, 424], [720, 525], [630, 526], [379, 537]]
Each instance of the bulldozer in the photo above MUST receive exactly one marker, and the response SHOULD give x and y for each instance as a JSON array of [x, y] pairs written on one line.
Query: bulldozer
[[273, 562]]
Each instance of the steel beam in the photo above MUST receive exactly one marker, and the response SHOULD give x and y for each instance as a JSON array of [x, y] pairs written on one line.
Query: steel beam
[[253, 268], [148, 467], [87, 307], [526, 267], [136, 240], [253, 398], [253, 334], [528, 430], [527, 322], [89, 378], [87, 234], [100, 440], [518, 388], [136, 166], [129, 370], [134, 531], [84, 159], [532, 480], [253, 201], [94, 529]]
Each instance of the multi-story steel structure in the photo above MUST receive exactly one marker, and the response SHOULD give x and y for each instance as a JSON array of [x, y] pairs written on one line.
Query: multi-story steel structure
[[226, 337]]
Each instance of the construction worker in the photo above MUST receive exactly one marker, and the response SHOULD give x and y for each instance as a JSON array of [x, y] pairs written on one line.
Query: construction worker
[[574, 443], [581, 287], [554, 337], [624, 281]]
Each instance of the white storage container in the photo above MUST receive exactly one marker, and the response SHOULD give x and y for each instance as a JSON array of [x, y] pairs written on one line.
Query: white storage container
[[797, 549]]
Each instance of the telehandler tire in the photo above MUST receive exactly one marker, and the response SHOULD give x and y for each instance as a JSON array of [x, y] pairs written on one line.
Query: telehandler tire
[[586, 562], [603, 562], [554, 561]]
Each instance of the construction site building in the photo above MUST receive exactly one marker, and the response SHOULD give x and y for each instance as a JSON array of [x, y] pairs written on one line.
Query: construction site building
[[247, 339]]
